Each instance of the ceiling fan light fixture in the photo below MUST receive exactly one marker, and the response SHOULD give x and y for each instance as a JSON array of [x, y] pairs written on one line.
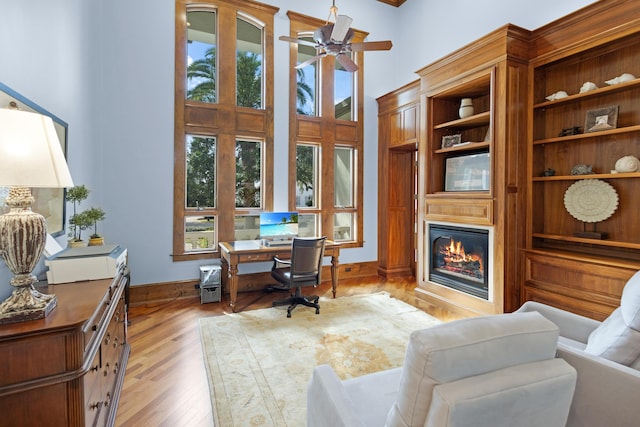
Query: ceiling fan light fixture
[[341, 28], [334, 39]]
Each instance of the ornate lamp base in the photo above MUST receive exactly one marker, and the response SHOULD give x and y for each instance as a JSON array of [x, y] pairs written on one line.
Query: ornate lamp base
[[22, 238], [26, 303]]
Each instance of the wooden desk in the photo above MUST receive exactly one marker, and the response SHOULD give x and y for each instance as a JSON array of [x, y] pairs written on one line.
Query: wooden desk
[[234, 253]]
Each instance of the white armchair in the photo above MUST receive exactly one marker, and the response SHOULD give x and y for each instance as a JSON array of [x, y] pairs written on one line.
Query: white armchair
[[485, 371], [607, 358]]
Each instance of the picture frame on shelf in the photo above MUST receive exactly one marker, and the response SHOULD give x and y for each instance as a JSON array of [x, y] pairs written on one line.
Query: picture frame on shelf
[[469, 172], [449, 141], [601, 119]]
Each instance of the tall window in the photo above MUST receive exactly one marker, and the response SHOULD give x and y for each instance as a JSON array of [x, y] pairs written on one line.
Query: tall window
[[306, 79], [223, 106], [249, 63], [201, 55], [325, 140]]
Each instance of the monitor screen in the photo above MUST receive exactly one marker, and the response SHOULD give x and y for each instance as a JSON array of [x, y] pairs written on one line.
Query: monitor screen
[[278, 225]]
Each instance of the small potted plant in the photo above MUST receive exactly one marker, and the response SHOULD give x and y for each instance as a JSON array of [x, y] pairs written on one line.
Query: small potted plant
[[77, 223], [95, 215], [80, 221]]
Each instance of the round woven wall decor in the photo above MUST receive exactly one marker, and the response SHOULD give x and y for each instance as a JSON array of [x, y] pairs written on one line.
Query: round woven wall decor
[[591, 200]]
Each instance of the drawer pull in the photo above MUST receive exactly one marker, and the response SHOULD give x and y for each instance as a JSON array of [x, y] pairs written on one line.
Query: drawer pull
[[95, 368], [95, 406]]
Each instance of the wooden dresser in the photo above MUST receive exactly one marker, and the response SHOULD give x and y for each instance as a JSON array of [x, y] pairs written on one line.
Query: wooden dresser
[[67, 369]]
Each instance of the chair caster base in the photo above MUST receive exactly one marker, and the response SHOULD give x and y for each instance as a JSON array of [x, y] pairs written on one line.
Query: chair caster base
[[294, 301]]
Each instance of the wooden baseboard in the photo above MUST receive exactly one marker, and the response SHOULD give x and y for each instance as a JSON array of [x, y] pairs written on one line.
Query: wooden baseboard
[[157, 292]]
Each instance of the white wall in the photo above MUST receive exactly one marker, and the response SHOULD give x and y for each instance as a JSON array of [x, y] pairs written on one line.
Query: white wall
[[106, 67], [46, 56]]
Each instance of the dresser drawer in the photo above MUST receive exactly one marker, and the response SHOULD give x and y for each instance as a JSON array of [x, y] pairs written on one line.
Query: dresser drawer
[[92, 382]]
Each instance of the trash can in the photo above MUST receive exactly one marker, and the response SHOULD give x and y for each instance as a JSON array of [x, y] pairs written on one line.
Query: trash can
[[210, 283]]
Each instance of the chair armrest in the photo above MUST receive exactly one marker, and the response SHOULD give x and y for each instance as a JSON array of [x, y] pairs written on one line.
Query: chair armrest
[[278, 261], [282, 261], [571, 325], [328, 403], [606, 392]]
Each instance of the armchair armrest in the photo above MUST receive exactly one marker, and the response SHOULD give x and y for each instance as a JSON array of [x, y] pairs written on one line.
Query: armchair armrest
[[571, 325], [328, 403], [606, 392]]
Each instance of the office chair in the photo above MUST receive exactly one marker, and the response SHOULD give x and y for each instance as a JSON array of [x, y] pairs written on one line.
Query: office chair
[[303, 269]]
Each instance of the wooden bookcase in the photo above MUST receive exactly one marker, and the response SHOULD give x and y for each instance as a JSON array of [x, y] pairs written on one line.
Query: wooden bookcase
[[492, 71], [562, 266]]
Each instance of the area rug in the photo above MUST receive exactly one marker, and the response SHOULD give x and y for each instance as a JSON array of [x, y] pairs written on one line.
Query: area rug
[[259, 362]]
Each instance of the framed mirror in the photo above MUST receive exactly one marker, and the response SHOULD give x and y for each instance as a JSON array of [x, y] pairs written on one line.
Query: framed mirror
[[49, 202]]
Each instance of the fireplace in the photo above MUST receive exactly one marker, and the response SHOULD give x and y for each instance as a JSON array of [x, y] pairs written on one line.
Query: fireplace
[[458, 258]]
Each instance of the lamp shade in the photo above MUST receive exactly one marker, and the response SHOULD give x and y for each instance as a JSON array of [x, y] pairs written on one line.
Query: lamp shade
[[30, 151]]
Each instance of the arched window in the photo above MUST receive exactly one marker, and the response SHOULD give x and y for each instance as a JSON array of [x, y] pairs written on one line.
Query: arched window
[[223, 110], [325, 139]]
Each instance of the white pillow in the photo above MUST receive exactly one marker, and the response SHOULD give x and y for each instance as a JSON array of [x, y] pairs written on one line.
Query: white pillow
[[618, 337], [630, 302], [614, 340]]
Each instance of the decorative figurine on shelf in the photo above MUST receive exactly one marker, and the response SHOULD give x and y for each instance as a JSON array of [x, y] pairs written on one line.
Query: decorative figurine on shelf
[[581, 170], [627, 164], [622, 78], [570, 131], [557, 95], [549, 172], [466, 108], [588, 86]]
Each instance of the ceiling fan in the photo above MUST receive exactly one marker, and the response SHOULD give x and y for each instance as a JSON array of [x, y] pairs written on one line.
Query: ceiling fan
[[335, 39]]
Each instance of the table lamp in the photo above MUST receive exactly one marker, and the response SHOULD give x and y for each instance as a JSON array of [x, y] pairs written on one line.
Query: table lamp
[[30, 156]]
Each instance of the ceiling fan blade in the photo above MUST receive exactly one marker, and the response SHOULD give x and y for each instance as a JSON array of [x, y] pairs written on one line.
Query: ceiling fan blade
[[381, 45], [347, 63], [309, 61], [340, 28], [299, 41]]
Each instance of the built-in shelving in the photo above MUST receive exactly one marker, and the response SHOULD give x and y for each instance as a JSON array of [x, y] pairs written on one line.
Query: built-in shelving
[[492, 73], [569, 263]]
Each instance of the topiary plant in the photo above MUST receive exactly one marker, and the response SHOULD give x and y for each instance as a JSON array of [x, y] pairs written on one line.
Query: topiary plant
[[95, 215], [78, 221]]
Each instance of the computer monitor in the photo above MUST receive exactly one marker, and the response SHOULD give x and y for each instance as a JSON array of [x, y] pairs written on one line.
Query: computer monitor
[[278, 226]]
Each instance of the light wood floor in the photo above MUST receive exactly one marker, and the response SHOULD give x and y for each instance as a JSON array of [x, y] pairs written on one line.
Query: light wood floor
[[165, 382]]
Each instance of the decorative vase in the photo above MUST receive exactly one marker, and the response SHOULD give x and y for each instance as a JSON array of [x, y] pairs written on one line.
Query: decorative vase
[[466, 108]]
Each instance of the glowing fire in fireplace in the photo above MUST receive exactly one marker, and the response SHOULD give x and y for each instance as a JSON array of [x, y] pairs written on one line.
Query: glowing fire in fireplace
[[457, 260]]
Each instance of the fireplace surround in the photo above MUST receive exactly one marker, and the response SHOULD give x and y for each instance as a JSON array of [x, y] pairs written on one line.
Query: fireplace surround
[[458, 258]]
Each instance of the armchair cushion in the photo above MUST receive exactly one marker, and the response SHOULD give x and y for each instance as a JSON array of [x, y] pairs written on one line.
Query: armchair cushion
[[618, 337], [537, 393], [463, 348]]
